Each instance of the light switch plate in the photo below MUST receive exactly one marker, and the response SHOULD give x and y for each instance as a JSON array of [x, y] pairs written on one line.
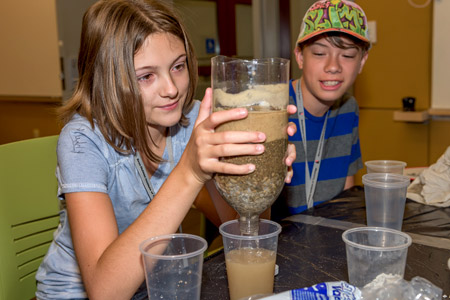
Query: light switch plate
[[372, 31]]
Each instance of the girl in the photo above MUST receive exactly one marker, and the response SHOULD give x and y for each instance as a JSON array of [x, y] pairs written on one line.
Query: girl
[[129, 124]]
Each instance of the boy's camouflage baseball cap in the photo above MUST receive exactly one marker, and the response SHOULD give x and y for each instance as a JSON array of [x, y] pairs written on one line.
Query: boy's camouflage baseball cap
[[331, 16]]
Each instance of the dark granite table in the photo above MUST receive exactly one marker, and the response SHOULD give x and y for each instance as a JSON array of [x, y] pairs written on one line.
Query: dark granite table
[[311, 250]]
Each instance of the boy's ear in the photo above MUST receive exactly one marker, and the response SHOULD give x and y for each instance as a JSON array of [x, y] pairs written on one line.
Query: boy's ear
[[299, 57], [363, 61]]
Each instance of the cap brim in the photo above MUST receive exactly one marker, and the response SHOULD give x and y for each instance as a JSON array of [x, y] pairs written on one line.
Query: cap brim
[[343, 30]]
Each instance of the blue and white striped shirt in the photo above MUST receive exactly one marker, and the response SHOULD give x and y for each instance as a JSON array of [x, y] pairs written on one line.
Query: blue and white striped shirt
[[341, 154]]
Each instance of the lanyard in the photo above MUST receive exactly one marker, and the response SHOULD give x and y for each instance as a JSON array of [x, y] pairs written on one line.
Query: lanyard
[[310, 180], [143, 173]]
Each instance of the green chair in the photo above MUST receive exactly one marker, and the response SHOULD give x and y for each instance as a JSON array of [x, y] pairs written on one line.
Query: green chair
[[29, 213]]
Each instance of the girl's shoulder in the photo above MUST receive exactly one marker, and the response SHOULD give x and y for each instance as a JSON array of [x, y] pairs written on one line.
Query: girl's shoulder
[[79, 135], [79, 125]]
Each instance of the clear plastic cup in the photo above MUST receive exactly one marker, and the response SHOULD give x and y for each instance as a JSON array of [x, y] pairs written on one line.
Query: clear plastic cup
[[385, 166], [385, 197], [375, 251], [173, 266], [250, 259]]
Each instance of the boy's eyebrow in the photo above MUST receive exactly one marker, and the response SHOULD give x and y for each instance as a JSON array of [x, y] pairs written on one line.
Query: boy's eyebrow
[[318, 44], [348, 45]]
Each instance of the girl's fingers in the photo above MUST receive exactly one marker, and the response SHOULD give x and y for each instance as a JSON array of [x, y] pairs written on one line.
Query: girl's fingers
[[231, 143], [227, 150], [236, 137], [231, 169], [220, 117]]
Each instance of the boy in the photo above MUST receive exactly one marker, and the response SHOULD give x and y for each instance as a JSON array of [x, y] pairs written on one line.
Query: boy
[[331, 50]]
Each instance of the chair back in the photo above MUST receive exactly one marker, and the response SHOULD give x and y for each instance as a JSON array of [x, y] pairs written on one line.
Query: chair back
[[29, 212]]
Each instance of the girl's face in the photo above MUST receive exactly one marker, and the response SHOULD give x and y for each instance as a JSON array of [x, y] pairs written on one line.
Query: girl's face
[[329, 71], [162, 73]]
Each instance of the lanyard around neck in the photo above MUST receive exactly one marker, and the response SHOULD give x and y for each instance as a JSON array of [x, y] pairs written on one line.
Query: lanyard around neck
[[310, 180], [138, 162]]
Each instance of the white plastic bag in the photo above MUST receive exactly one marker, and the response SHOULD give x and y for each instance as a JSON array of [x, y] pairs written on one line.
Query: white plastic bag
[[433, 184]]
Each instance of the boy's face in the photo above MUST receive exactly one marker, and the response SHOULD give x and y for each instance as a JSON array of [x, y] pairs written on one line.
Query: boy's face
[[329, 71]]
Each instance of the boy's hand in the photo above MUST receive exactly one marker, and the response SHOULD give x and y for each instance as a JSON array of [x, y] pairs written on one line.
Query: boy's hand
[[291, 151]]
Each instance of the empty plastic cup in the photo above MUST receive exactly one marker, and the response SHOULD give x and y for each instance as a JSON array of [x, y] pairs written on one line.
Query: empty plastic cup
[[385, 166], [173, 266], [374, 251], [385, 197], [250, 259]]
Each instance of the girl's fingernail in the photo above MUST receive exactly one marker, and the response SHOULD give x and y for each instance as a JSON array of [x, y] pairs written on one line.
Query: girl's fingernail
[[251, 168], [259, 148]]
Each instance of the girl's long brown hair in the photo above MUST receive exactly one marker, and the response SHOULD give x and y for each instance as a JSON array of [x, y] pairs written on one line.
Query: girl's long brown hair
[[107, 92]]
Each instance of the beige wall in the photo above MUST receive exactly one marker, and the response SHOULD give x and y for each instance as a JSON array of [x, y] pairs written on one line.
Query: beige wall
[[29, 57], [30, 84]]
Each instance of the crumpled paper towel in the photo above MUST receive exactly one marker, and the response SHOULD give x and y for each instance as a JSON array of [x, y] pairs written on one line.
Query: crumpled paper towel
[[432, 186]]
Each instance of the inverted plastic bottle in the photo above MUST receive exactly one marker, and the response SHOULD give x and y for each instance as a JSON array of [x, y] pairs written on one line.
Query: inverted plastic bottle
[[262, 87]]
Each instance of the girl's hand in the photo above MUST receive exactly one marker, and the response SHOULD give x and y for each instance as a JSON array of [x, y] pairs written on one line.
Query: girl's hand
[[291, 152], [206, 146]]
